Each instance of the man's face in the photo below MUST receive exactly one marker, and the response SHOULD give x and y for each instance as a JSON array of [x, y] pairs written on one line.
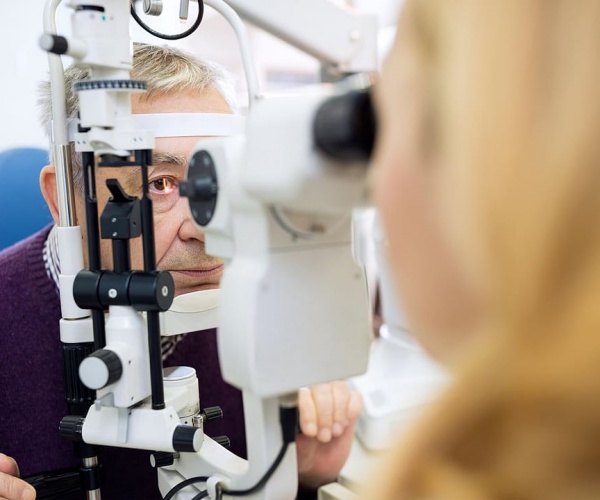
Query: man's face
[[179, 243]]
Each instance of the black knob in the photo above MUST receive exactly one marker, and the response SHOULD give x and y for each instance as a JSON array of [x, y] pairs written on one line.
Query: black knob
[[223, 441], [162, 458], [113, 288], [100, 369], [145, 291], [85, 289], [54, 44], [344, 126], [78, 397], [187, 438], [71, 427], [151, 291], [211, 413]]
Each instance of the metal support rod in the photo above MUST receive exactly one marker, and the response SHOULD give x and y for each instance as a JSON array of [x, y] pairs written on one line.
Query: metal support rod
[[93, 239], [91, 465], [121, 256], [156, 370], [58, 127], [144, 158], [64, 185]]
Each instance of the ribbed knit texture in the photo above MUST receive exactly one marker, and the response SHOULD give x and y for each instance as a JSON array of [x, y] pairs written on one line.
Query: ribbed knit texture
[[31, 381]]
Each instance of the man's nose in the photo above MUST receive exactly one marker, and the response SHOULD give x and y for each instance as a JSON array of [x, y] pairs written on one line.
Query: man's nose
[[188, 230]]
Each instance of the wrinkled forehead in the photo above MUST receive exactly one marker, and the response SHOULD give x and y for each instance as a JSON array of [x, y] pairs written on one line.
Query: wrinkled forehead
[[191, 124]]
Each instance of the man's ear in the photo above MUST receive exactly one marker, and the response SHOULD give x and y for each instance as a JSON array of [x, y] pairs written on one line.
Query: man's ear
[[48, 187]]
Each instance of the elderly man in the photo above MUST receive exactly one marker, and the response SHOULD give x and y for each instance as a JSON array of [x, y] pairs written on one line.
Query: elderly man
[[31, 377]]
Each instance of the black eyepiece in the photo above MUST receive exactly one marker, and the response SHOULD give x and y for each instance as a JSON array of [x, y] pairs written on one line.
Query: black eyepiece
[[345, 126]]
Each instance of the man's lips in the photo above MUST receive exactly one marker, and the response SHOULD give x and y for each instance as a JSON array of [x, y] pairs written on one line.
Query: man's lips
[[200, 273]]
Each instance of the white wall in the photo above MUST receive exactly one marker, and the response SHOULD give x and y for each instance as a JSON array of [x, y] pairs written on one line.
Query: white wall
[[23, 64]]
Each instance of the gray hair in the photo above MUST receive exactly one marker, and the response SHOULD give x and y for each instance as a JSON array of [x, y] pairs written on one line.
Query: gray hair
[[166, 70]]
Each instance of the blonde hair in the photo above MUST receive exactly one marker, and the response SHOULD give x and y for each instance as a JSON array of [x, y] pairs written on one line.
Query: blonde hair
[[166, 70], [515, 106]]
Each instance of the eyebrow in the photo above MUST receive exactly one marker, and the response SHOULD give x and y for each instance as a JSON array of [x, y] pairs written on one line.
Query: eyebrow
[[132, 177], [166, 158]]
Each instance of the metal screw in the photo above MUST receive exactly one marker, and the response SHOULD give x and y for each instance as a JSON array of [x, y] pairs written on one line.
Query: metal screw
[[112, 293], [165, 291]]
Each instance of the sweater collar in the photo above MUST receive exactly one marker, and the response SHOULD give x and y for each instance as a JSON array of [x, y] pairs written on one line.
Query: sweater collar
[[50, 256]]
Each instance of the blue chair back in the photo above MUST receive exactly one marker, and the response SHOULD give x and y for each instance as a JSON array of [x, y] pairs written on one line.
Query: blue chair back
[[23, 210]]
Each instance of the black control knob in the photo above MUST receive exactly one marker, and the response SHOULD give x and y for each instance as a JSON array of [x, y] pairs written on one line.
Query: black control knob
[[100, 369], [223, 441], [151, 291], [145, 291], [54, 44], [78, 397], [162, 458], [187, 438], [85, 289], [211, 413], [71, 427]]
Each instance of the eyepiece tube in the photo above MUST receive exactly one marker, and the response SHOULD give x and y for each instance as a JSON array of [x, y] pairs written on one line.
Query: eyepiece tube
[[344, 127]]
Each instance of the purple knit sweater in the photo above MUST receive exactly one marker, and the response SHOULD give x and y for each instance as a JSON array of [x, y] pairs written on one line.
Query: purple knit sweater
[[31, 382]]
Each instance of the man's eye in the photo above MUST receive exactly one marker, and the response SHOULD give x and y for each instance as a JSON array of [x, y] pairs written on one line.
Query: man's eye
[[163, 185]]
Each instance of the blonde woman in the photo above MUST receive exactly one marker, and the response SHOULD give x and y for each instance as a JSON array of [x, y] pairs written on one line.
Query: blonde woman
[[488, 181]]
